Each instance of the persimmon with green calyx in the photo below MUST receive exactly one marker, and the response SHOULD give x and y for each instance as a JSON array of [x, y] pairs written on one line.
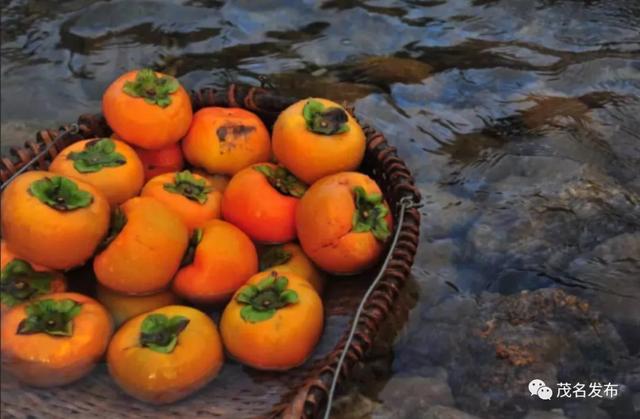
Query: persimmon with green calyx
[[289, 257], [148, 109], [273, 322], [110, 165], [261, 200], [54, 340], [189, 195], [343, 223], [316, 137], [53, 220], [20, 282], [165, 355], [124, 307]]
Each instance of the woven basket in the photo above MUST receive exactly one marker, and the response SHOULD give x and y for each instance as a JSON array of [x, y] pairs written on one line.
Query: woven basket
[[239, 392]]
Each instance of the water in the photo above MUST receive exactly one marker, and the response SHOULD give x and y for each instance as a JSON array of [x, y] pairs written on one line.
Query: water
[[519, 119]]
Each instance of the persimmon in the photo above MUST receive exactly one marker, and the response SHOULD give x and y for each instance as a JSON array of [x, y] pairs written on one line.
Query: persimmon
[[21, 281], [261, 200], [110, 165], [124, 307], [220, 259], [289, 257], [219, 182], [143, 249], [274, 322], [148, 109], [316, 137], [343, 223], [226, 140], [163, 160], [165, 355], [55, 339], [190, 196], [53, 220]]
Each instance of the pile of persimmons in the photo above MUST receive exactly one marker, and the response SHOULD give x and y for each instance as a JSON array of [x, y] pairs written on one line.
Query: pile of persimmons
[[235, 230]]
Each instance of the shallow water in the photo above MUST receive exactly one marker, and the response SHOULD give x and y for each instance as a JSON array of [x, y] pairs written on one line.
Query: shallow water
[[520, 120]]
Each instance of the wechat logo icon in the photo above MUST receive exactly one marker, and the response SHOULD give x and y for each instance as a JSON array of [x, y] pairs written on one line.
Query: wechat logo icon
[[539, 388]]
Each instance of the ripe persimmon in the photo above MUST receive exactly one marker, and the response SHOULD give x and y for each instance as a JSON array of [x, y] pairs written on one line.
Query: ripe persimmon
[[273, 322], [315, 137], [163, 160], [219, 182], [343, 223], [261, 200], [53, 220], [163, 356], [144, 248], [190, 196], [147, 109], [124, 307], [226, 140], [110, 165], [55, 339], [289, 257], [220, 259]]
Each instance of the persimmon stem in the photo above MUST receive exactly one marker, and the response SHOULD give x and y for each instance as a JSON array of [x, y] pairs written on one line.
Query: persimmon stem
[[53, 317], [60, 193], [370, 214], [20, 282], [325, 121], [261, 301]]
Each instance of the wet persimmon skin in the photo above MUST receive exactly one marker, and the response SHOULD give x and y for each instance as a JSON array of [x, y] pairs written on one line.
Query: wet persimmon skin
[[257, 208], [311, 156], [146, 254], [143, 124], [226, 140], [161, 378], [301, 265], [116, 183], [192, 213], [42, 360], [324, 222], [164, 160], [45, 236], [286, 340], [224, 260], [124, 307]]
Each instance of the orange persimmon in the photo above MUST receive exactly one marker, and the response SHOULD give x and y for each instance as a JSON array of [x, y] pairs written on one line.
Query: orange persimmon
[[220, 259], [226, 140], [53, 220], [163, 160], [289, 257], [219, 182], [261, 200], [343, 223], [144, 248], [273, 322], [315, 137], [124, 307], [147, 109], [110, 165], [190, 196], [55, 339], [163, 356]]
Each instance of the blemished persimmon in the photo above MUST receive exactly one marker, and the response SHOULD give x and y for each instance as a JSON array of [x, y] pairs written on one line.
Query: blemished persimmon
[[147, 109], [22, 281], [163, 160], [261, 200], [274, 322], [165, 355], [53, 220], [316, 137], [124, 307], [226, 140], [189, 195], [220, 259], [143, 249], [289, 257], [343, 223], [54, 340], [110, 165]]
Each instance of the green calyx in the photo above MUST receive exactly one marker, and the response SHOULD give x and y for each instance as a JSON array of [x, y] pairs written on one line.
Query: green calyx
[[97, 155], [283, 180], [190, 253], [60, 193], [274, 256], [325, 121], [160, 333], [117, 223], [261, 301], [20, 282], [53, 317], [153, 89], [188, 186], [369, 214]]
